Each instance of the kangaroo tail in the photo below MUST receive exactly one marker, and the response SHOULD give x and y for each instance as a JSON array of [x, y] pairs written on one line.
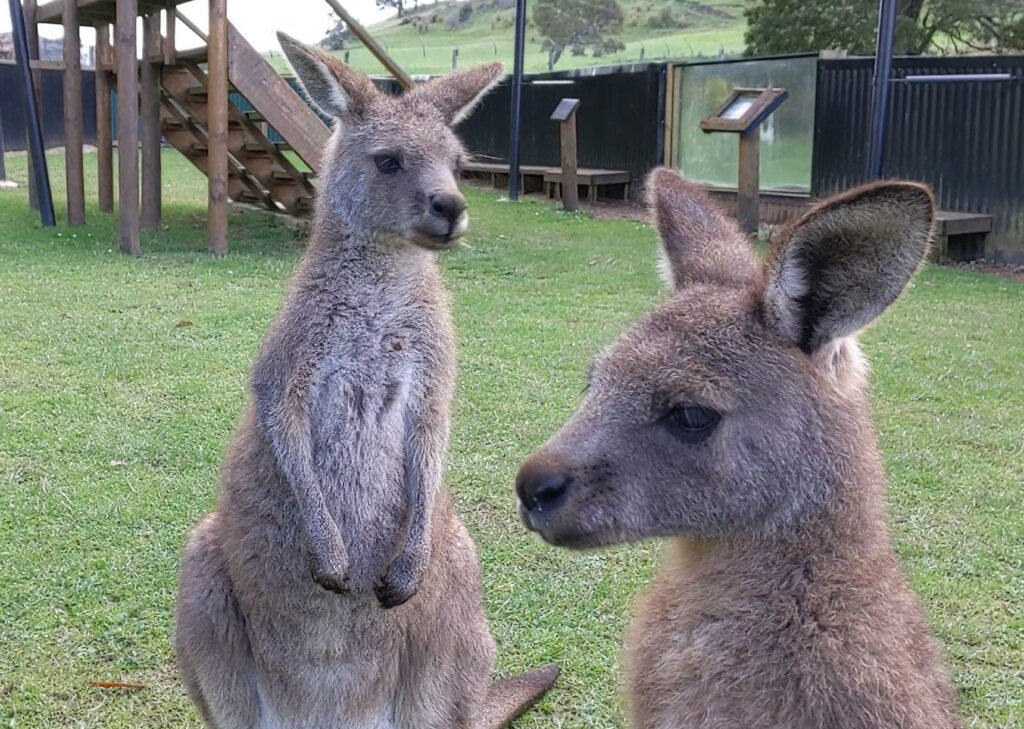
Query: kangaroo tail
[[510, 697]]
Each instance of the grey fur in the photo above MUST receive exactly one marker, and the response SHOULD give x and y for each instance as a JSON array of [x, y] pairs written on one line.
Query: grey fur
[[333, 586]]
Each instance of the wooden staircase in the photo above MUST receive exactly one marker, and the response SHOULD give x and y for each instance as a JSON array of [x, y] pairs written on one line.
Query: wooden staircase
[[259, 170]]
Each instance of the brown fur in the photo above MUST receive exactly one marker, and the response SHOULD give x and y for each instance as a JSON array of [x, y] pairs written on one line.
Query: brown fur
[[734, 419], [334, 586]]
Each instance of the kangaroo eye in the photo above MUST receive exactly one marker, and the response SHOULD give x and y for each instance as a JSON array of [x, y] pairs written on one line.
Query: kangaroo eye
[[691, 423], [387, 164]]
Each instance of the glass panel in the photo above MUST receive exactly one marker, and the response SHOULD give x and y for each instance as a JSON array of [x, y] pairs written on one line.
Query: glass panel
[[786, 137], [739, 107]]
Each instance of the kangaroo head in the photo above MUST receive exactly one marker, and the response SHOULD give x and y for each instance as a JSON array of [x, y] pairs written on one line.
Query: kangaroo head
[[391, 167], [724, 410]]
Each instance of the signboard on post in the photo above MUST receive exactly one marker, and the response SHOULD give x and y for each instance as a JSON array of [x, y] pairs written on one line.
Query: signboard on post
[[565, 115], [742, 113]]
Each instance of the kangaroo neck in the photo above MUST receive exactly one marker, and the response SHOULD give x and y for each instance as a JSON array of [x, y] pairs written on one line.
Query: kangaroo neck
[[847, 532]]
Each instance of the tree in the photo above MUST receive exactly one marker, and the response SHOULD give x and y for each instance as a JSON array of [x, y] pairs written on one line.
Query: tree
[[336, 36], [785, 26], [578, 24], [399, 5]]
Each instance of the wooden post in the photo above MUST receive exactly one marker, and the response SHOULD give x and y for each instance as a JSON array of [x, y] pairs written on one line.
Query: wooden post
[[73, 162], [170, 54], [217, 126], [565, 115], [149, 78], [32, 36], [127, 126], [104, 126], [748, 201]]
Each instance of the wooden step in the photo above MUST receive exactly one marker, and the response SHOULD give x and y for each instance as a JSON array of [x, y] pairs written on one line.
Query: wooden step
[[280, 105], [281, 175]]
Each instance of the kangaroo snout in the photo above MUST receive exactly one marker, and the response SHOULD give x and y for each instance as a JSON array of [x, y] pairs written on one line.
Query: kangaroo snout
[[542, 486], [448, 207]]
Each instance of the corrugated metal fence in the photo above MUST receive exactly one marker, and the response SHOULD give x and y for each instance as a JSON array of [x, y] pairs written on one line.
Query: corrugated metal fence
[[964, 138], [12, 107]]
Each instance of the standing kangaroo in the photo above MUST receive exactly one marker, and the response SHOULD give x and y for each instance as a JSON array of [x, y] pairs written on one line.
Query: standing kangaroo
[[734, 418], [333, 587]]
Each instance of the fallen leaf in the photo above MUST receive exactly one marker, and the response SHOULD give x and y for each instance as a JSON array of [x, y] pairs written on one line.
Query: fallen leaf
[[117, 685], [183, 323]]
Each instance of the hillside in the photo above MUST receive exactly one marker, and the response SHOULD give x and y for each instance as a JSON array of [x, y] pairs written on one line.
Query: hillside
[[423, 39]]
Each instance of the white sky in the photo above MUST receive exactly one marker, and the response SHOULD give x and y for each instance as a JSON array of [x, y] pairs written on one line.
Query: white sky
[[257, 20]]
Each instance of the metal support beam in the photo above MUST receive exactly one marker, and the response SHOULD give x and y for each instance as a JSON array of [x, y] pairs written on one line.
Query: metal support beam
[[880, 92], [41, 177], [517, 100]]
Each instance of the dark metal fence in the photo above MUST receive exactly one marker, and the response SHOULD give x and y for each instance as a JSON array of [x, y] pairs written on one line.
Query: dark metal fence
[[12, 107], [964, 138], [620, 122]]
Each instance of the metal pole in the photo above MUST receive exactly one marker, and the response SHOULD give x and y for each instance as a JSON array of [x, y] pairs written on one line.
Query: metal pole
[[880, 93], [35, 132], [517, 98]]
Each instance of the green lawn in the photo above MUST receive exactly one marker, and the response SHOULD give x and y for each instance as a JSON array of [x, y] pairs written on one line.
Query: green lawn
[[697, 28], [114, 416]]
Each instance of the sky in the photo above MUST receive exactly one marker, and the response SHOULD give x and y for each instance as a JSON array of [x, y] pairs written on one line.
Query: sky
[[257, 20]]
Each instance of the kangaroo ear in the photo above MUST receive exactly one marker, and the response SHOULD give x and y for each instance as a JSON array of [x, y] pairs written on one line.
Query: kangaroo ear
[[700, 244], [337, 90], [456, 94], [838, 267]]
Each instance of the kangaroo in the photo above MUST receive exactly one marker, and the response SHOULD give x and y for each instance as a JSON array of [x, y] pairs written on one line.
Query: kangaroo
[[333, 586], [734, 419]]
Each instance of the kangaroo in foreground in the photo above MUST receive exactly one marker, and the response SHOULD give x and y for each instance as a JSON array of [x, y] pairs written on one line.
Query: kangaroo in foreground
[[333, 587], [734, 418]]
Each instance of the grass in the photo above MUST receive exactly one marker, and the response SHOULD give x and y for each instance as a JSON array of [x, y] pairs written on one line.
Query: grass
[[115, 416], [698, 28]]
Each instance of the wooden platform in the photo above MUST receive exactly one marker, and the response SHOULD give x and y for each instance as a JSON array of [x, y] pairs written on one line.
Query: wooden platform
[[91, 12], [965, 231], [540, 178]]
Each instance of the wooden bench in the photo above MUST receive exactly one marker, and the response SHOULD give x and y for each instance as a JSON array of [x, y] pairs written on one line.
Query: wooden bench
[[539, 178], [966, 230]]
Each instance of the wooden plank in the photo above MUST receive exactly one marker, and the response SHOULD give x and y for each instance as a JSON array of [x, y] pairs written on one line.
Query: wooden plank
[[956, 223], [127, 127], [748, 189], [277, 102], [570, 192], [217, 129], [30, 11], [372, 45], [149, 109], [92, 12], [104, 126], [170, 52], [74, 165]]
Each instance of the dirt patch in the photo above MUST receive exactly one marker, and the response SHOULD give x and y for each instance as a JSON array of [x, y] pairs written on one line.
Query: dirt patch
[[617, 210], [1003, 270]]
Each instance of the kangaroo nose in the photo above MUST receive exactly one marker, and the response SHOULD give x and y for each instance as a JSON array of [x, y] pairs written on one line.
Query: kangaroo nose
[[447, 207], [540, 487]]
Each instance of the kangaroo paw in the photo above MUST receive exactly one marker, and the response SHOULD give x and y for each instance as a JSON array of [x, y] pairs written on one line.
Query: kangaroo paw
[[333, 577], [510, 697]]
